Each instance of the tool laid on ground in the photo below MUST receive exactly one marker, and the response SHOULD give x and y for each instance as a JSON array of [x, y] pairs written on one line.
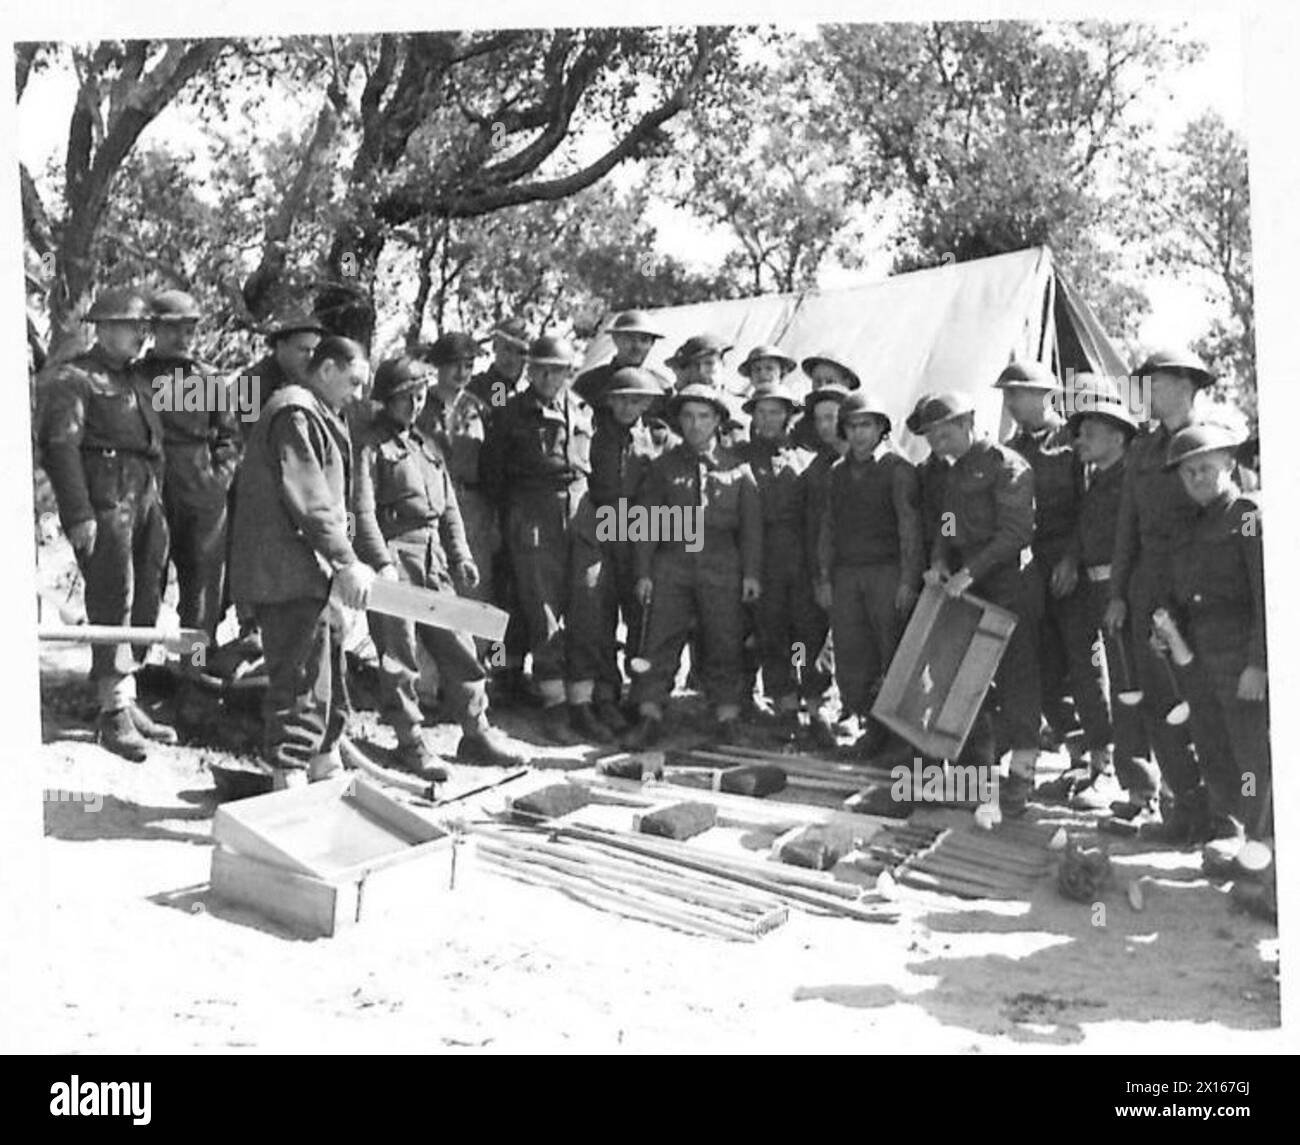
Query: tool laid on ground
[[355, 758], [637, 887], [181, 641], [966, 864]]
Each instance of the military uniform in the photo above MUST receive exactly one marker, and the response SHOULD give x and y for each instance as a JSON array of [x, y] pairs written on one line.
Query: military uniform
[[535, 463], [1098, 511], [1154, 511], [790, 625], [620, 460], [202, 448], [493, 389], [932, 483], [407, 516], [1068, 657], [870, 543], [1218, 596], [458, 428], [290, 535], [705, 586], [101, 444], [989, 502]]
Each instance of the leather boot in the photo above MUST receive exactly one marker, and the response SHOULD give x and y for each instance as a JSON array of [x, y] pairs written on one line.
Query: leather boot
[[646, 734], [117, 732], [822, 730], [1187, 825], [490, 746], [555, 726], [416, 757], [607, 713], [150, 728], [583, 721]]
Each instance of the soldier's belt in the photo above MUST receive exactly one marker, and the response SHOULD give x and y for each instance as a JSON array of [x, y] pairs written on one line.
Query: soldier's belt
[[1097, 573]]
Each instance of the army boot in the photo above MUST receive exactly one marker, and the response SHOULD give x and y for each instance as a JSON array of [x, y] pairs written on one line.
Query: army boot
[[555, 726], [414, 756], [1014, 791], [1219, 855], [607, 712], [485, 745], [1187, 825], [1103, 787], [117, 732], [648, 732], [583, 721]]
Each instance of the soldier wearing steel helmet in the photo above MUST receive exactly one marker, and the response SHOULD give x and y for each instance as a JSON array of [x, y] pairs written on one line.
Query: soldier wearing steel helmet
[[408, 528], [1216, 605], [201, 443], [983, 545], [870, 556], [502, 379], [535, 464], [1069, 668], [708, 585], [457, 421], [101, 443], [822, 370], [791, 628], [1154, 511], [634, 336], [1103, 426], [621, 453], [821, 412]]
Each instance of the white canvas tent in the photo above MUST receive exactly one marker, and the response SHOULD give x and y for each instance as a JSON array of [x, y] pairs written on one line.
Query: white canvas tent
[[952, 327]]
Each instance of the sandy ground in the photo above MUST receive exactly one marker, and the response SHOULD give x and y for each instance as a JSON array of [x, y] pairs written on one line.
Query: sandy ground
[[142, 957]]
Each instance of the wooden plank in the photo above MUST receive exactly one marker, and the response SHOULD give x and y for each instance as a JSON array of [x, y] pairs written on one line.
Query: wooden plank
[[597, 855], [308, 906], [414, 827], [248, 826], [438, 609], [932, 690], [627, 875], [181, 641], [411, 884], [970, 685], [783, 890], [947, 885]]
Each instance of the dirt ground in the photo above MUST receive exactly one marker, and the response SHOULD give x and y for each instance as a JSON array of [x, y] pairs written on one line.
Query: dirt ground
[[143, 958]]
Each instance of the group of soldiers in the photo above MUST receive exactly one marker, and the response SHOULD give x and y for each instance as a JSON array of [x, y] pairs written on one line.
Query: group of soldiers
[[1127, 551]]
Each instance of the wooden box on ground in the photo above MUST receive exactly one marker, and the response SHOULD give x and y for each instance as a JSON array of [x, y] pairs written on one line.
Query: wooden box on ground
[[942, 670], [321, 858]]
